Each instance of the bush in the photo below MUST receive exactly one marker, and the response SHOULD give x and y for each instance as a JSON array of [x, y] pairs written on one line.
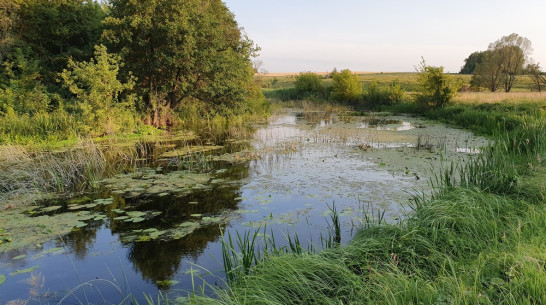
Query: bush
[[346, 86], [309, 85], [383, 96], [437, 88]]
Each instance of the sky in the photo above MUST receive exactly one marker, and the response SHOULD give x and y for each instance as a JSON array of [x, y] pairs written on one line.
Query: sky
[[384, 35]]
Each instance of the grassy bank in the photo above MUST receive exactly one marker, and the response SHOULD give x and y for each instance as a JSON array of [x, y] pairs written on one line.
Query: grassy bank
[[478, 240]]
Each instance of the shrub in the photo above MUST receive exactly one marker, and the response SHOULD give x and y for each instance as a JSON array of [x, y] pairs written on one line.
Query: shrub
[[437, 88], [346, 86], [383, 96], [309, 84]]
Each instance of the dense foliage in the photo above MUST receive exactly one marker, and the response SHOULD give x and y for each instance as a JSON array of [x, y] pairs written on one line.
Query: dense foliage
[[346, 86], [309, 85], [471, 62], [502, 64], [437, 88], [91, 65]]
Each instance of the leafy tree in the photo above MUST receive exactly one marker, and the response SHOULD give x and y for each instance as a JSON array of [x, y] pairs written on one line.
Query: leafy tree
[[489, 73], [346, 87], [96, 85], [54, 31], [538, 77], [503, 62], [8, 13], [23, 92], [183, 52], [471, 62], [309, 84], [437, 88]]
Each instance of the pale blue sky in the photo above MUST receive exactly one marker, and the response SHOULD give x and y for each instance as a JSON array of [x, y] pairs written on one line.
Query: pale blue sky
[[384, 36]]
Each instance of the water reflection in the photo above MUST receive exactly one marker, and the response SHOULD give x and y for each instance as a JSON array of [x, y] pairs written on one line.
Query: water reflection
[[159, 261]]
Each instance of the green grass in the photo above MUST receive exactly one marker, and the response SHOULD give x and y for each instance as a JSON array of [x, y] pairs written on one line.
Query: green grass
[[478, 240]]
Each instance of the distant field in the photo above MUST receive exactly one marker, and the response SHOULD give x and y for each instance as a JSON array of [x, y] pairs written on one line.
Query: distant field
[[407, 80], [496, 97]]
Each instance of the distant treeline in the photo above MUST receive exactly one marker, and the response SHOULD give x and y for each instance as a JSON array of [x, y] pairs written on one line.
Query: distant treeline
[[72, 67]]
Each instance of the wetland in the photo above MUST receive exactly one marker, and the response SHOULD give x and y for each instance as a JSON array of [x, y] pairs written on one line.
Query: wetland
[[159, 225]]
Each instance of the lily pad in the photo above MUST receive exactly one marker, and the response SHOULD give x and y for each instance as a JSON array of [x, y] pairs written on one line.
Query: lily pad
[[51, 208], [21, 271], [105, 201], [135, 214], [122, 218], [18, 257], [80, 224], [2, 279], [75, 207], [212, 219], [196, 215]]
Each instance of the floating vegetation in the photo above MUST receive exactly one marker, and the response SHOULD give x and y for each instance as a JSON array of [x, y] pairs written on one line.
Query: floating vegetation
[[238, 157], [243, 211], [177, 232], [18, 257], [21, 271], [106, 201], [149, 182], [166, 284], [187, 150], [2, 279], [25, 231], [51, 208]]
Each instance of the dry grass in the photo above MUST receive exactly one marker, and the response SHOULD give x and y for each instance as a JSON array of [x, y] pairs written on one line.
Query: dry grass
[[23, 172], [497, 97]]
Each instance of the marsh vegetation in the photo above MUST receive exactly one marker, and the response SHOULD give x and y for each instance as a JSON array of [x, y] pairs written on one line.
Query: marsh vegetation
[[141, 163]]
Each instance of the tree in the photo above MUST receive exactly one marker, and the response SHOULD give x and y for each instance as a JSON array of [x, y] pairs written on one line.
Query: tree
[[471, 62], [8, 13], [506, 57], [538, 77], [346, 87], [514, 51], [96, 85], [183, 52], [437, 88], [55, 31], [489, 72], [309, 84]]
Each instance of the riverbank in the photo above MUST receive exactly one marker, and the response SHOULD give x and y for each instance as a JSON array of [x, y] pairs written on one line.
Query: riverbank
[[478, 240]]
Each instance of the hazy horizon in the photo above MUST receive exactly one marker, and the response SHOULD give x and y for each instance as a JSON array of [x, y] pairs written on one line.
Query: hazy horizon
[[386, 36]]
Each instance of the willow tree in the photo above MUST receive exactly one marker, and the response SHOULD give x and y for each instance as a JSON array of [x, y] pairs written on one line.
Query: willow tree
[[182, 52]]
